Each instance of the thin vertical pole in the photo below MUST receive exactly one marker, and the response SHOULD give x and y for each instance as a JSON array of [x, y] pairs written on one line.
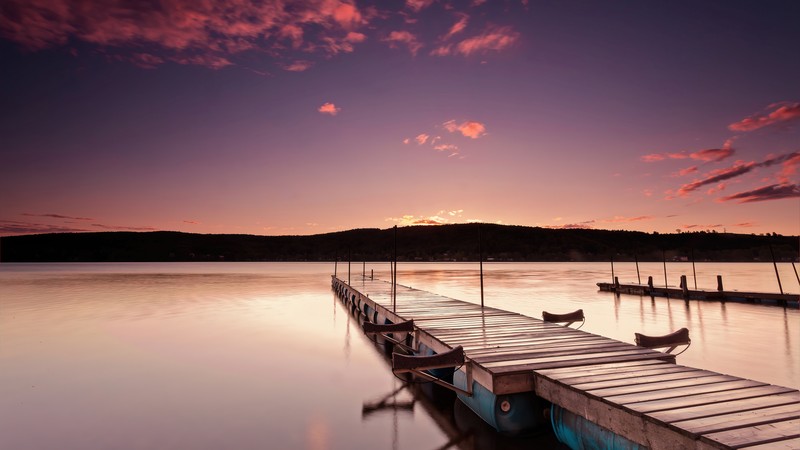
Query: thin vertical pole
[[638, 277], [363, 269], [666, 284], [480, 259], [694, 273], [335, 265], [795, 273], [612, 269], [349, 255], [394, 289], [775, 264]]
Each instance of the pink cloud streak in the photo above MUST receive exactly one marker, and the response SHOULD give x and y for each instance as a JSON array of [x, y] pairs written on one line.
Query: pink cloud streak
[[782, 112]]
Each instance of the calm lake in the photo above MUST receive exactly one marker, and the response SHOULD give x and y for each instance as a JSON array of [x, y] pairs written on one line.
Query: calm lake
[[262, 355]]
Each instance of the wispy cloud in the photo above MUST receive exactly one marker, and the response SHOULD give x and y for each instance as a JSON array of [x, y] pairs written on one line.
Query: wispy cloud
[[734, 171], [470, 128], [418, 5], [442, 217], [299, 65], [492, 39], [707, 155], [404, 38], [207, 33], [773, 114], [765, 193], [56, 216], [421, 138], [457, 27], [329, 108], [122, 227]]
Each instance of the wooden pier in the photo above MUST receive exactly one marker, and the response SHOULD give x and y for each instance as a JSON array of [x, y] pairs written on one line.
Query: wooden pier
[[637, 393], [683, 292]]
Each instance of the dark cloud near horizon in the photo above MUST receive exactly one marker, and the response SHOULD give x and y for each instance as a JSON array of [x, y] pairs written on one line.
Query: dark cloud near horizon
[[56, 216], [771, 192]]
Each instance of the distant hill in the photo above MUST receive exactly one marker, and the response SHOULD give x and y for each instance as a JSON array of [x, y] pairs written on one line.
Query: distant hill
[[419, 243]]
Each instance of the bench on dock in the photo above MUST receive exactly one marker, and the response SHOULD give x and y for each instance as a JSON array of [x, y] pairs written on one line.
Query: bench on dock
[[669, 341], [567, 319]]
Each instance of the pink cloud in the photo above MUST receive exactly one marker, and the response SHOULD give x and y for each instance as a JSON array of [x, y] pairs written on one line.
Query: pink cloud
[[712, 154], [790, 167], [782, 112], [716, 176], [396, 38], [765, 193], [470, 128], [298, 66], [329, 108], [623, 219], [418, 5], [740, 168], [421, 138], [406, 141], [445, 147], [457, 27], [655, 157], [493, 39], [56, 216], [207, 33], [686, 171]]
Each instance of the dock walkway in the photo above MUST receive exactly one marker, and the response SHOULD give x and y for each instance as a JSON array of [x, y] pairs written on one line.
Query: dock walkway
[[638, 393]]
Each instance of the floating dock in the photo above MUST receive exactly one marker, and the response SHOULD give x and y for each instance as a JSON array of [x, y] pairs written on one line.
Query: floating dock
[[620, 389], [683, 292]]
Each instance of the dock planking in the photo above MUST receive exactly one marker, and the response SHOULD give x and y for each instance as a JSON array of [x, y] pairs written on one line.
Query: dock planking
[[638, 393]]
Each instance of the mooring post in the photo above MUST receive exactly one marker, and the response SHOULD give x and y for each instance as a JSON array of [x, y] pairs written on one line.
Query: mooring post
[[694, 273], [776, 269], [719, 283], [795, 273], [638, 277], [612, 269], [684, 287], [363, 269], [371, 274]]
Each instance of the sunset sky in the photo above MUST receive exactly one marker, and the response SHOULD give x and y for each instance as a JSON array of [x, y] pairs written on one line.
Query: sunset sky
[[305, 117]]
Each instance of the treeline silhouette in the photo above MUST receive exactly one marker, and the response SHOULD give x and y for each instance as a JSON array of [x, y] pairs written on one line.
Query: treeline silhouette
[[417, 243]]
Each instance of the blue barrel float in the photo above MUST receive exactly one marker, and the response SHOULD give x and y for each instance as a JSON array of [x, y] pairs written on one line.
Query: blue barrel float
[[509, 413], [579, 433]]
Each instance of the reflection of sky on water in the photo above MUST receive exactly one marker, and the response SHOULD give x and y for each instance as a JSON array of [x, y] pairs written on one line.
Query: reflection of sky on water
[[262, 355]]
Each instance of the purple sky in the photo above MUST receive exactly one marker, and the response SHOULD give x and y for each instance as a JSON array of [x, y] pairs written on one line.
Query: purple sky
[[304, 117]]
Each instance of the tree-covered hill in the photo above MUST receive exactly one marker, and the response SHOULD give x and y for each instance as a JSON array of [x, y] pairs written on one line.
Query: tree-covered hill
[[420, 243]]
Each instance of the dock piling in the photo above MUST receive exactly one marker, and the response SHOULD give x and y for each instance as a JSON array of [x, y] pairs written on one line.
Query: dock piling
[[684, 287], [775, 264], [638, 277], [719, 283]]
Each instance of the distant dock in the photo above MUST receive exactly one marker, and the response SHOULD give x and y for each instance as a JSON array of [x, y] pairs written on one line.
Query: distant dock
[[625, 392], [683, 292]]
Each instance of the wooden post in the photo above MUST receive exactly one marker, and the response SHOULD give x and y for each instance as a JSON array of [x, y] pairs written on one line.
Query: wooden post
[[719, 283], [776, 269], [694, 272], [371, 274], [650, 281], [363, 269], [348, 266], [795, 273], [616, 283], [684, 287], [480, 259], [638, 277], [335, 264], [612, 268]]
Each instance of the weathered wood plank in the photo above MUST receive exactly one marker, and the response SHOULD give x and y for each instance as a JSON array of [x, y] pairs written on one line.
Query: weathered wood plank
[[598, 369], [740, 419], [787, 444], [655, 382], [600, 357], [708, 398], [759, 434], [623, 377], [726, 406]]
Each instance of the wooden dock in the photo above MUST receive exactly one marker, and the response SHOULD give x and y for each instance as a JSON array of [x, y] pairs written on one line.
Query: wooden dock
[[637, 393], [683, 292]]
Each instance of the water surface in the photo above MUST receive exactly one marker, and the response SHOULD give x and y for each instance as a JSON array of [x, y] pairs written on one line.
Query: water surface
[[262, 355]]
